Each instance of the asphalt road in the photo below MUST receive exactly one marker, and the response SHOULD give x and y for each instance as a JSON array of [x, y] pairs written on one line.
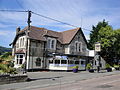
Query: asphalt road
[[102, 83], [68, 81]]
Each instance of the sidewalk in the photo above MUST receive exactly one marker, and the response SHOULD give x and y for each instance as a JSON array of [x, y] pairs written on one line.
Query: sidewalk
[[44, 79]]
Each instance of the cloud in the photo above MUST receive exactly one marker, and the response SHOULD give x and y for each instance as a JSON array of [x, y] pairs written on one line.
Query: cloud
[[83, 13]]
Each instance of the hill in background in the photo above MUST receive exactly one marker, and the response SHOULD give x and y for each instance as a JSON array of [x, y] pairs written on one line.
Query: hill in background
[[4, 49]]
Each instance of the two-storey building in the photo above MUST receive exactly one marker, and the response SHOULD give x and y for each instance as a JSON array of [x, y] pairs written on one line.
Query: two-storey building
[[46, 49]]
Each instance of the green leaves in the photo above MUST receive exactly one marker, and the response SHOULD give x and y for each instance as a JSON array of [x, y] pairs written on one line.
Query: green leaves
[[109, 39]]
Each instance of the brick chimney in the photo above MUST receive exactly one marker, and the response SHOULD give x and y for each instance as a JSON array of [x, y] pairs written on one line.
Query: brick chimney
[[17, 30]]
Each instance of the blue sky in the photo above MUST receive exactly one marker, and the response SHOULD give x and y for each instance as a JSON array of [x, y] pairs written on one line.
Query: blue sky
[[81, 13]]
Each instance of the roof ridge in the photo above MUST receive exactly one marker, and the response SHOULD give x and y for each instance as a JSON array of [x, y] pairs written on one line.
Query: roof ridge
[[71, 30]]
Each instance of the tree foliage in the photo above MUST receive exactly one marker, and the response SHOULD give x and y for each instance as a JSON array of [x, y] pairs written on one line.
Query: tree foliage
[[94, 35], [109, 39]]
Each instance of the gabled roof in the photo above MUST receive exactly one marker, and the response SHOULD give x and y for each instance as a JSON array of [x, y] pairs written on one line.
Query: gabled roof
[[68, 35], [64, 37]]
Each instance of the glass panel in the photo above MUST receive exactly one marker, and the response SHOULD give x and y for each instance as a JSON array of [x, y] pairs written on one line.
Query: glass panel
[[79, 46], [76, 62], [76, 46], [17, 56], [71, 62], [17, 61], [51, 61], [20, 61], [21, 56], [38, 62], [57, 61], [52, 44], [63, 61], [82, 62], [48, 43]]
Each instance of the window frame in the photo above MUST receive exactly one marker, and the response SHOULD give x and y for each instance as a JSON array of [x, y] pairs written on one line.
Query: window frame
[[18, 59], [51, 43], [78, 46]]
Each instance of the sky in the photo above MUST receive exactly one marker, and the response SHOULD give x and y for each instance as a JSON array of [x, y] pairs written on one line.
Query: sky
[[81, 13]]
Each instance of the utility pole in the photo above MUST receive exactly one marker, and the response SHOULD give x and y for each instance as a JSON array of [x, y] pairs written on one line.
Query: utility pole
[[27, 32]]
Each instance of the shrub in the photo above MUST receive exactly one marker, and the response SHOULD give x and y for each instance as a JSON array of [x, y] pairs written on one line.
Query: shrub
[[75, 67], [107, 65], [89, 66]]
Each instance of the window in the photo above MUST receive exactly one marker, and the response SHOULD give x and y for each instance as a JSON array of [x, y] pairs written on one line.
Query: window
[[78, 47], [38, 62], [63, 61], [51, 43], [76, 62], [71, 62], [82, 62], [23, 41], [19, 59], [48, 43], [51, 61], [57, 61]]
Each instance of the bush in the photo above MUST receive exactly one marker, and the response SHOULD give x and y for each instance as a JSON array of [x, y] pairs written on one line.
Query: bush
[[116, 66], [107, 65], [89, 66], [75, 67], [4, 68]]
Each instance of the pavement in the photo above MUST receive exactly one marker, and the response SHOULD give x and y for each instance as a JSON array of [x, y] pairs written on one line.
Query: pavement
[[40, 80]]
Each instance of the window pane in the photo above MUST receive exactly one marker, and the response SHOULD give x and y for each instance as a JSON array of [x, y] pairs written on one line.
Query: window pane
[[57, 61], [79, 46], [48, 43], [20, 61], [76, 62], [17, 56], [76, 46], [38, 62], [63, 61], [82, 62], [52, 44], [51, 61], [71, 62], [21, 56], [17, 61]]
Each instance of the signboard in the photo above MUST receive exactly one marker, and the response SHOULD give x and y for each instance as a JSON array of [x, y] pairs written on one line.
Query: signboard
[[97, 47]]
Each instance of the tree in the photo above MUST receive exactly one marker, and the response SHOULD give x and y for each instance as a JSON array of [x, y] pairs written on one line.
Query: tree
[[107, 39], [104, 34], [94, 35], [117, 44]]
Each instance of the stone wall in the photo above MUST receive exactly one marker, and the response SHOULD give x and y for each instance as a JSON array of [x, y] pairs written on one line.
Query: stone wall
[[6, 79]]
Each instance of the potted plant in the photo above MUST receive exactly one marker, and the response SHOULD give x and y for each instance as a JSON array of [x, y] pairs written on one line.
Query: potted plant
[[75, 69], [116, 67], [108, 67], [89, 68]]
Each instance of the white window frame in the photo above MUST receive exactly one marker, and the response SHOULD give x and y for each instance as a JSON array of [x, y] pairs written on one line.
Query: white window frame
[[78, 46], [50, 42], [17, 59], [20, 43]]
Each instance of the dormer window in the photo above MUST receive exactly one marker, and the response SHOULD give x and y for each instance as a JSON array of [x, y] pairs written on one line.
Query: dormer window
[[51, 43]]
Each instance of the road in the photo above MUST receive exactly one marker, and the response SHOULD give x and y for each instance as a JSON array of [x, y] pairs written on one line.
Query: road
[[68, 81], [101, 83]]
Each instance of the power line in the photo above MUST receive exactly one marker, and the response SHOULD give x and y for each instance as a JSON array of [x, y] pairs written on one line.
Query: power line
[[54, 19], [12, 11], [58, 21], [45, 17]]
